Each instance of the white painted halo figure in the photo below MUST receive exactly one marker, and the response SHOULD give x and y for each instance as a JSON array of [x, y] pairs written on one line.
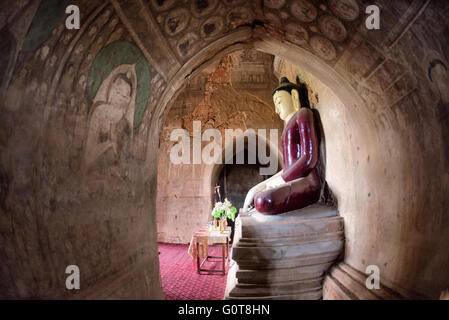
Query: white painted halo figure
[[111, 119]]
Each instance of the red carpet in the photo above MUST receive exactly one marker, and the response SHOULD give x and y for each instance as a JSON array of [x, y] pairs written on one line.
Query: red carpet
[[180, 279]]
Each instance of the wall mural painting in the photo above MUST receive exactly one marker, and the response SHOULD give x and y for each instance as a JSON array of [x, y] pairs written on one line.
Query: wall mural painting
[[8, 46], [118, 88], [438, 75], [112, 56], [48, 16]]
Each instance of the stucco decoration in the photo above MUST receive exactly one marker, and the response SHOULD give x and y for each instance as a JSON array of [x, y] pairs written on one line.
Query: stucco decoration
[[239, 16], [234, 3], [187, 44], [345, 9], [112, 56], [273, 19], [296, 34], [202, 8], [274, 4], [49, 14], [176, 21], [162, 5], [323, 47], [304, 11], [211, 27], [332, 28]]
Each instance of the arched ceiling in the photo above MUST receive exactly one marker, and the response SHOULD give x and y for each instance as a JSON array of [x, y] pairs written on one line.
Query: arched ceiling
[[176, 30]]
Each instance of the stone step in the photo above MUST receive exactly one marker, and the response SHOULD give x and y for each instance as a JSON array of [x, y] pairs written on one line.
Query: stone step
[[314, 211], [261, 254], [281, 274], [277, 289], [307, 221], [284, 256], [254, 242], [309, 295], [345, 282], [293, 229], [289, 263], [236, 290]]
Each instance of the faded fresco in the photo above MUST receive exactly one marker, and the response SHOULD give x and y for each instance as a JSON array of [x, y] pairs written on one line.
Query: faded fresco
[[49, 14], [110, 127], [112, 56], [73, 138]]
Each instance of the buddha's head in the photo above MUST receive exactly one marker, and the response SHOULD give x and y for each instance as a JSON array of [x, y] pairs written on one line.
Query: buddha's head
[[120, 91], [439, 75], [284, 98]]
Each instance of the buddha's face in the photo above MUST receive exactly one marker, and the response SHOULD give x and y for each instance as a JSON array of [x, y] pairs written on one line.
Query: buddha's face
[[283, 104], [120, 93]]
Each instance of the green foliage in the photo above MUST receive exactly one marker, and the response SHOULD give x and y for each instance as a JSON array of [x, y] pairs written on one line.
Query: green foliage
[[223, 210], [216, 213], [231, 214]]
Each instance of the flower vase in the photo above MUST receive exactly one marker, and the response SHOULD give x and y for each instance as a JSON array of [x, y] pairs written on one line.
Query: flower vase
[[223, 225], [216, 223]]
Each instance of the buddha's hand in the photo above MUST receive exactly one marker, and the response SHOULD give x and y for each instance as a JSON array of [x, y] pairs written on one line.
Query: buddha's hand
[[251, 193]]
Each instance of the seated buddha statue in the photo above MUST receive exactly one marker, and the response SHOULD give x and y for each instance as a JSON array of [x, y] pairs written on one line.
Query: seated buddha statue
[[298, 184]]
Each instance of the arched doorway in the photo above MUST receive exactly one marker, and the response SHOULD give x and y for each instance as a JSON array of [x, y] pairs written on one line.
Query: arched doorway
[[355, 163], [236, 177]]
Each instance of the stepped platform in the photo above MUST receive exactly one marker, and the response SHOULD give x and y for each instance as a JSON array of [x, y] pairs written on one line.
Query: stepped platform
[[284, 256]]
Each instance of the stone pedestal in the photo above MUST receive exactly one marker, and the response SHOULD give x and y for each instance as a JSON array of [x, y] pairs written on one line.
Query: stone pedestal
[[343, 282], [284, 256]]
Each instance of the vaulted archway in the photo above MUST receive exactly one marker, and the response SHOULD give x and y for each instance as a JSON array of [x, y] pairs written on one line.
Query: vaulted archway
[[385, 134]]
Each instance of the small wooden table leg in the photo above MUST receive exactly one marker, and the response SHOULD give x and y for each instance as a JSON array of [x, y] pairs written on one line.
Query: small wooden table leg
[[198, 257], [223, 256], [227, 248]]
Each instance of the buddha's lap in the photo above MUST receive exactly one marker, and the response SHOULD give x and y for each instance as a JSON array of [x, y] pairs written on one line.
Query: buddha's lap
[[280, 192], [292, 195], [279, 182]]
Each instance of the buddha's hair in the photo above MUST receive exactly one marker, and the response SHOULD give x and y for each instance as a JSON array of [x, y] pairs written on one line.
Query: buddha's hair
[[301, 87], [304, 96], [432, 65]]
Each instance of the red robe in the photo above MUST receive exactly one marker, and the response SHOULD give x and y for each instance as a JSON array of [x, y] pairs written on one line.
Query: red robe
[[300, 150]]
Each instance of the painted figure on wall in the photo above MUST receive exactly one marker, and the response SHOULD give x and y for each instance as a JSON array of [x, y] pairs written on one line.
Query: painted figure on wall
[[116, 54], [118, 87], [299, 183], [110, 127], [438, 75]]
